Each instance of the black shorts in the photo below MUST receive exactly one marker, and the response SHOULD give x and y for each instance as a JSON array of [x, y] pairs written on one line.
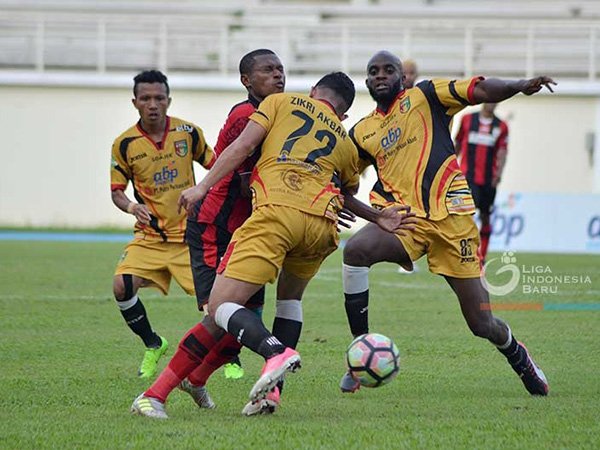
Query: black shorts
[[207, 244], [483, 196]]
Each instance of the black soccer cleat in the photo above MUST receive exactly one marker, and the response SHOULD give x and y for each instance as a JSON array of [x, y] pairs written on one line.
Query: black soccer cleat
[[531, 375]]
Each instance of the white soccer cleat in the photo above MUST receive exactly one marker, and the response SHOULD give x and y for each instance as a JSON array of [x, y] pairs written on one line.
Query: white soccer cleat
[[267, 405], [198, 393], [149, 407]]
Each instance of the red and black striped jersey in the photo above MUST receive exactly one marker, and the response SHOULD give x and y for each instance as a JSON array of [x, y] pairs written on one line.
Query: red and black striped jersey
[[224, 205], [479, 142]]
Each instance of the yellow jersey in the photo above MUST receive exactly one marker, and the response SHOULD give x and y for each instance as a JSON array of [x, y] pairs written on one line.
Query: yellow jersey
[[411, 148], [159, 172], [306, 157]]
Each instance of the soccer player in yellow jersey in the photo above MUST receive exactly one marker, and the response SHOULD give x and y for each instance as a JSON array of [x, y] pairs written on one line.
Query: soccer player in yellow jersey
[[156, 156], [306, 158], [407, 140]]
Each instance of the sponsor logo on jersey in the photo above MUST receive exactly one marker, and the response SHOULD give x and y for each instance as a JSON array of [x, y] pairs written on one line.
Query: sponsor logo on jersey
[[367, 136], [181, 148], [292, 180], [388, 141], [405, 105], [487, 139], [137, 157], [167, 174], [185, 127]]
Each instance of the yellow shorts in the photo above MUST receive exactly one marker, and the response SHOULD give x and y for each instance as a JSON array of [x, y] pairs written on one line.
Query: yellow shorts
[[450, 244], [157, 262], [276, 237]]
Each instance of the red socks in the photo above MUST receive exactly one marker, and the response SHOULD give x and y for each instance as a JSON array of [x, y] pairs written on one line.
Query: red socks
[[192, 350], [223, 352]]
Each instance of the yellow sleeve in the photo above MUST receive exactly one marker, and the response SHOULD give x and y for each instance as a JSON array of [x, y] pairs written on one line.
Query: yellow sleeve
[[202, 152], [453, 94], [349, 174], [120, 172], [364, 159], [266, 112]]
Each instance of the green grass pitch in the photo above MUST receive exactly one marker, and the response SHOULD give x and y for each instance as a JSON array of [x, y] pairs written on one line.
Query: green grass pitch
[[68, 365]]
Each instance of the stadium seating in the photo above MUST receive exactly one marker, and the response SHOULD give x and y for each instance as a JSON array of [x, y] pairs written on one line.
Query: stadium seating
[[447, 37]]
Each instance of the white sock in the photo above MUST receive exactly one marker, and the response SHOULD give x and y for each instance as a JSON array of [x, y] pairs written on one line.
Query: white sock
[[289, 309], [355, 279], [125, 305], [224, 313]]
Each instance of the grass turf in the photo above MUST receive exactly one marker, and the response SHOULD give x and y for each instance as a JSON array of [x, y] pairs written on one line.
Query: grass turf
[[69, 365]]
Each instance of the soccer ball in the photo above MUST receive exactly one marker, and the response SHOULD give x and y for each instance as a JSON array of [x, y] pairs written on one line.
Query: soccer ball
[[373, 359]]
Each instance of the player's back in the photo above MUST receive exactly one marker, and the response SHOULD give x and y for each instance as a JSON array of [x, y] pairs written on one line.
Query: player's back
[[306, 156]]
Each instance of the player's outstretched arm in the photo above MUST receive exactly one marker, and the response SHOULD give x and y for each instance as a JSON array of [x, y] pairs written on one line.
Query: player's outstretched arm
[[494, 90], [231, 158], [397, 219]]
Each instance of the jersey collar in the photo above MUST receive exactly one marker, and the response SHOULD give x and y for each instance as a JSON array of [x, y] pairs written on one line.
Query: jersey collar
[[159, 145], [253, 101], [386, 112], [328, 104]]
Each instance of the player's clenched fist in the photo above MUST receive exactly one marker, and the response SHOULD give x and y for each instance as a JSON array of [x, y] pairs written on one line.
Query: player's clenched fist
[[191, 195]]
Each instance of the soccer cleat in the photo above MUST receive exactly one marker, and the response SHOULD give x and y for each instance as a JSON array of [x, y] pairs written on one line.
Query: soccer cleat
[[348, 384], [531, 375], [273, 371], [403, 271], [233, 371], [198, 393], [149, 364], [149, 407], [267, 405]]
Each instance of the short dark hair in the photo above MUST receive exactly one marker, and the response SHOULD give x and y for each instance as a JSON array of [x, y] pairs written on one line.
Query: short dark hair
[[150, 76], [247, 62], [341, 84]]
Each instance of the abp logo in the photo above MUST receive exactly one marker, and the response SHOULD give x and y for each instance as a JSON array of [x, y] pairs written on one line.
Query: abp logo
[[166, 175], [393, 135]]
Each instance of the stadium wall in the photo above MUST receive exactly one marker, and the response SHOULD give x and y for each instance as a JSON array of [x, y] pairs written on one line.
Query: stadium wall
[[57, 140]]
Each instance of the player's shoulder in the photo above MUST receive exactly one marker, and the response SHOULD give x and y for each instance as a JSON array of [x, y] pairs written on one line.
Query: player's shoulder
[[177, 124], [364, 124], [282, 97], [242, 109], [503, 124], [128, 135]]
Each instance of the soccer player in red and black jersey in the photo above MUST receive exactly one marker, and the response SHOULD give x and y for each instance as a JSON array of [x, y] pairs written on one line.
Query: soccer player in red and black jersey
[[481, 144], [212, 221]]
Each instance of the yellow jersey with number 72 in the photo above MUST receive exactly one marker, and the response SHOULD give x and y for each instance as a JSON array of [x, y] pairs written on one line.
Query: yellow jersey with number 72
[[306, 156]]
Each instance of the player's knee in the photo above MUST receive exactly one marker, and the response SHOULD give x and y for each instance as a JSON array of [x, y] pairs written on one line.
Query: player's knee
[[119, 288], [356, 254], [123, 287], [481, 327]]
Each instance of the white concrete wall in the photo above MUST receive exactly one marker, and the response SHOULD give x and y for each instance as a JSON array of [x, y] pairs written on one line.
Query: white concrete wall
[[56, 147]]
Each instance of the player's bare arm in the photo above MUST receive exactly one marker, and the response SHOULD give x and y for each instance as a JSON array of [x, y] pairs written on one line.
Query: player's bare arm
[[138, 210], [493, 90], [231, 158], [397, 219]]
